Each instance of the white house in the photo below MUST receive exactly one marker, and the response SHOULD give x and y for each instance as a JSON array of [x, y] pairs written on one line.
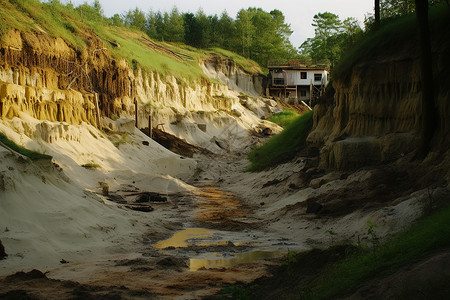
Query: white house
[[297, 82]]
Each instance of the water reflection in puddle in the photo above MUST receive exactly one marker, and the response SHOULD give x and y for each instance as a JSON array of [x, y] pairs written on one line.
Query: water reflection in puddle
[[202, 237], [179, 239], [219, 262]]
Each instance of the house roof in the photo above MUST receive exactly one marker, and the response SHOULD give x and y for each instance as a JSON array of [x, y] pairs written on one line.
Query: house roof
[[296, 65]]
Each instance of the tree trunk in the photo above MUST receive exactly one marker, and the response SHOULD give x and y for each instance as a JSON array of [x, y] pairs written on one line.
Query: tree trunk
[[377, 12], [429, 119]]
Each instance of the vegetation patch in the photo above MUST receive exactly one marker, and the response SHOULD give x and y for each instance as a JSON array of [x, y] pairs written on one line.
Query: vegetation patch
[[342, 269], [283, 146], [284, 118], [76, 25], [393, 33], [33, 155], [249, 66], [91, 166]]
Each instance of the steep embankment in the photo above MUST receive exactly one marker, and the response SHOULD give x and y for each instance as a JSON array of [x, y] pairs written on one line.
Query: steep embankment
[[373, 112], [50, 80]]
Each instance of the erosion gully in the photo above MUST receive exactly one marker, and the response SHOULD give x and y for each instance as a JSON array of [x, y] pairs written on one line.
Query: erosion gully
[[212, 239]]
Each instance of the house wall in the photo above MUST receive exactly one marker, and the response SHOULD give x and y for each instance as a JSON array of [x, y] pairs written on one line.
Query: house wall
[[293, 77]]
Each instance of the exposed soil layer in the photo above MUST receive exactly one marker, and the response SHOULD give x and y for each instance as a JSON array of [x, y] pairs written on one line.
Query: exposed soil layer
[[176, 144]]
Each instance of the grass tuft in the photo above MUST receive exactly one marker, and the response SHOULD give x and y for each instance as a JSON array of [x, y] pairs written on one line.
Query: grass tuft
[[91, 166], [283, 146], [33, 155]]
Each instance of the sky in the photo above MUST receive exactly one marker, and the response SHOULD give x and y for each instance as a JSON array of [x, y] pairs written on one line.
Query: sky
[[298, 13]]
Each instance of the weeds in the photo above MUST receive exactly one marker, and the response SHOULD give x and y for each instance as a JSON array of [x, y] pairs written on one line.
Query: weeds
[[33, 155], [119, 139], [283, 146], [429, 234], [91, 166], [290, 259], [284, 118], [372, 234], [331, 234]]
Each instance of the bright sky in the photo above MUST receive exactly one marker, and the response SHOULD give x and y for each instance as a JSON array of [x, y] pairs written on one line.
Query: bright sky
[[298, 13]]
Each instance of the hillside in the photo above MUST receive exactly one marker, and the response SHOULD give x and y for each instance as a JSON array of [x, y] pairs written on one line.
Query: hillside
[[59, 60]]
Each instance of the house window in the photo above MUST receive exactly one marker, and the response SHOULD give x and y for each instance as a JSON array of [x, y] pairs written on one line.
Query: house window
[[317, 77], [302, 75], [303, 93]]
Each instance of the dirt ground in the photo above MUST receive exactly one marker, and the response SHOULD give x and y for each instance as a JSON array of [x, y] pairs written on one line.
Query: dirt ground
[[235, 227]]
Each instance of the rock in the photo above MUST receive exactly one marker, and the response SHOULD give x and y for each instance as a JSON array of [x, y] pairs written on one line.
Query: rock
[[171, 262], [202, 127], [3, 254], [140, 208], [150, 197], [116, 198], [267, 131], [313, 207], [22, 276]]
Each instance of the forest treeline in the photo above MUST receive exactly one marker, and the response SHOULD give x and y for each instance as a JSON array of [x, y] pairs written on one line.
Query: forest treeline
[[253, 33]]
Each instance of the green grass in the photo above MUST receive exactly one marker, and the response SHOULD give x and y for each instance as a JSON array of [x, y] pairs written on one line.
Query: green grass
[[284, 118], [133, 48], [283, 146], [428, 235], [249, 66], [76, 25], [33, 155]]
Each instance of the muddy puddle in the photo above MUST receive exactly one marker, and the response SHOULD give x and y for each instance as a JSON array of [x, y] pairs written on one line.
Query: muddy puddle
[[215, 249], [218, 260]]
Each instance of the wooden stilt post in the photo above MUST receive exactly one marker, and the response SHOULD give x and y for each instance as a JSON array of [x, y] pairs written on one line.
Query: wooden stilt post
[[150, 133], [98, 110], [136, 113], [310, 93]]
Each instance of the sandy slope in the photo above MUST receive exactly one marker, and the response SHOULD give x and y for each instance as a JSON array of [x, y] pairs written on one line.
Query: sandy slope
[[55, 210]]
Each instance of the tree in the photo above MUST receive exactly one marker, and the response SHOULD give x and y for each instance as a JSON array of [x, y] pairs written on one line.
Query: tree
[[332, 37], [377, 12], [152, 30], [325, 43], [245, 31], [204, 27], [116, 20], [429, 113], [226, 32], [135, 18], [98, 7], [192, 30]]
